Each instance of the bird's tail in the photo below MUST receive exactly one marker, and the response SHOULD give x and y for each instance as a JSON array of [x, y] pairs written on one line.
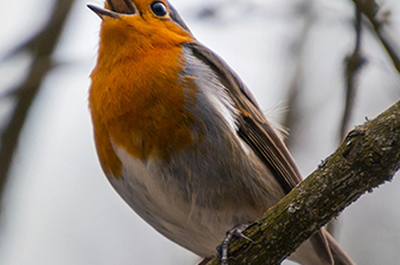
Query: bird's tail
[[339, 256]]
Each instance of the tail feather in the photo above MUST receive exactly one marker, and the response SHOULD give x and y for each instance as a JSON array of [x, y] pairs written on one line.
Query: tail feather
[[339, 256], [321, 249]]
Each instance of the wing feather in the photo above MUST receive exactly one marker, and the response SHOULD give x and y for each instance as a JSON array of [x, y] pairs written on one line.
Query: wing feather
[[253, 127]]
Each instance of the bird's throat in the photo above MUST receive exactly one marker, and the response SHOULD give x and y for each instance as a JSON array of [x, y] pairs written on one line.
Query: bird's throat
[[140, 105]]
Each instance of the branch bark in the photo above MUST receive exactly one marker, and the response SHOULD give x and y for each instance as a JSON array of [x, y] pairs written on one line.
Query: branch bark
[[368, 157]]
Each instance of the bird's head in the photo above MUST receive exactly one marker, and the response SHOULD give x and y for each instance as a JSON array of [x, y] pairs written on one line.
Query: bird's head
[[140, 25]]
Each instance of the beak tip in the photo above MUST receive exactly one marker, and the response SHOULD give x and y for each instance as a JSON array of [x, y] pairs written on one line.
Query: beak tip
[[94, 9], [91, 7]]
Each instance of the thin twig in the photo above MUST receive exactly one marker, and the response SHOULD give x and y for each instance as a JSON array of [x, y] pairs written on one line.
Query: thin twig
[[354, 63], [293, 114], [369, 8]]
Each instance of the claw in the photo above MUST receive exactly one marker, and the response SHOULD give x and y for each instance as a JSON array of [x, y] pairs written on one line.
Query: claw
[[222, 250]]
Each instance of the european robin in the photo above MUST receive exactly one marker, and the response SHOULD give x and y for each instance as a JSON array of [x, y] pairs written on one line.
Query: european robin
[[181, 138]]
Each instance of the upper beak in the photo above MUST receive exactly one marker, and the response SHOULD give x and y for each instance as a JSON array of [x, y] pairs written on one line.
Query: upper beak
[[103, 12], [116, 7], [122, 6]]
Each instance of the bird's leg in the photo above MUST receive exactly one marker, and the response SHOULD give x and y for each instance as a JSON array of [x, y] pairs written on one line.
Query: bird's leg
[[222, 250]]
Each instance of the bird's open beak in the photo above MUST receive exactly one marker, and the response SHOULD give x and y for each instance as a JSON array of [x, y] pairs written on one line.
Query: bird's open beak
[[116, 7]]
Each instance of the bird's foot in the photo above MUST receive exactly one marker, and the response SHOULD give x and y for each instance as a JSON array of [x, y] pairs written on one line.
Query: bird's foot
[[222, 250]]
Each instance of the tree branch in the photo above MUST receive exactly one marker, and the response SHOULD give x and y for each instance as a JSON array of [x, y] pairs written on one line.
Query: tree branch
[[368, 157]]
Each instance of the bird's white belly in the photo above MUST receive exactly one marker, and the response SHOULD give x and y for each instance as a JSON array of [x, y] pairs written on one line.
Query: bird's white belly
[[154, 197]]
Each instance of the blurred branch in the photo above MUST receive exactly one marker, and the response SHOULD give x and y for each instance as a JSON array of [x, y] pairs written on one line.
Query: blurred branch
[[368, 157], [354, 63], [369, 8], [41, 46], [293, 113]]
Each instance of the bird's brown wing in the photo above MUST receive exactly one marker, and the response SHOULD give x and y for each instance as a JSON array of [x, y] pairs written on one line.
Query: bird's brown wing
[[258, 133], [253, 128]]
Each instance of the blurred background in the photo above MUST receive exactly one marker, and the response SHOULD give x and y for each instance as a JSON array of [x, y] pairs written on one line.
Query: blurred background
[[317, 66]]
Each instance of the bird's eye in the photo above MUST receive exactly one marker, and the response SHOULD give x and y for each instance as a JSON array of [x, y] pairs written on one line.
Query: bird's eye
[[159, 9]]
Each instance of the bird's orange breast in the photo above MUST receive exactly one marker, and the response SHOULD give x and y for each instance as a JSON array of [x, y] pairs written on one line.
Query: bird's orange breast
[[137, 102]]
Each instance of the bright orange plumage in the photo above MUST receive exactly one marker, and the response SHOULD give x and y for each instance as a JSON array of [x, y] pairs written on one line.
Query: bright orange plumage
[[135, 98]]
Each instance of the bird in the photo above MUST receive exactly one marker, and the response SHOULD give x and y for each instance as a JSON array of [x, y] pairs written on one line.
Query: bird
[[181, 138]]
